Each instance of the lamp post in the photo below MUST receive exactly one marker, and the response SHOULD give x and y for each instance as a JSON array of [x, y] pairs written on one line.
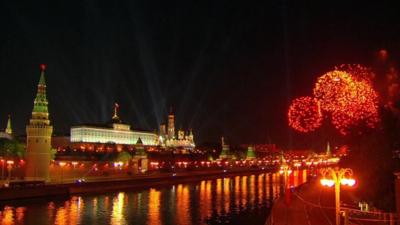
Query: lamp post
[[286, 171], [9, 167], [62, 164], [336, 177]]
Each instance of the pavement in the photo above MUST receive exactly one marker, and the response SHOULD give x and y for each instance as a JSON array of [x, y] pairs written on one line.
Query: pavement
[[312, 204], [305, 205]]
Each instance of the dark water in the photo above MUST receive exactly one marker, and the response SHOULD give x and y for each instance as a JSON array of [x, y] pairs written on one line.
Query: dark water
[[236, 200]]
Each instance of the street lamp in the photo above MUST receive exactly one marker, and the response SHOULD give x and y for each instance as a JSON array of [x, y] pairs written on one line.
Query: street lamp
[[336, 177], [9, 167], [62, 164], [286, 171]]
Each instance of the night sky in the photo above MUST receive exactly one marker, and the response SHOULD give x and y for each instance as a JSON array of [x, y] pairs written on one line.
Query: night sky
[[225, 67]]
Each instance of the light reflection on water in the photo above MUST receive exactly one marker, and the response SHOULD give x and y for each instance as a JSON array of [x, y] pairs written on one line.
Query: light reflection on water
[[234, 200]]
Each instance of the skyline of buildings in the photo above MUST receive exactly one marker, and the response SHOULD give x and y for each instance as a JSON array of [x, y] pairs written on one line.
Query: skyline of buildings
[[114, 132]]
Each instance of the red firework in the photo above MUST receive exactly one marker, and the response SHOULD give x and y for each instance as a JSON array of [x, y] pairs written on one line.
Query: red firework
[[331, 89], [358, 72], [349, 97], [304, 114], [359, 107]]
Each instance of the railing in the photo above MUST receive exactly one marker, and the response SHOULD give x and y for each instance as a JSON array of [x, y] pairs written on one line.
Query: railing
[[374, 217]]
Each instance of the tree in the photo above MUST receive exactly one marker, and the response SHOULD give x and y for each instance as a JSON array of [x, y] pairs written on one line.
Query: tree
[[124, 157], [53, 153], [11, 148]]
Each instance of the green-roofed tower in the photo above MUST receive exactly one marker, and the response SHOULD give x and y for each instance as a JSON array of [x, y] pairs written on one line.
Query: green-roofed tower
[[40, 104], [38, 135], [9, 129], [140, 148], [140, 157], [225, 153], [250, 155]]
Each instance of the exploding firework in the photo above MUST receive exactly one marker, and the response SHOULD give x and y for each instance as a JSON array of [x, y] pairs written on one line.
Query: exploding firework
[[358, 72], [331, 89], [341, 121], [358, 107], [304, 114], [349, 97], [345, 95]]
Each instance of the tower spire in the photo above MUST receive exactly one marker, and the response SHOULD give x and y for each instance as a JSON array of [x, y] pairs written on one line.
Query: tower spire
[[115, 116], [42, 81], [40, 113], [171, 125], [9, 129]]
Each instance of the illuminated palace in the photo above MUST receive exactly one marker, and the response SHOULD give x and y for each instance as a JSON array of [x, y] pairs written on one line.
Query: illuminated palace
[[122, 134], [169, 139], [115, 133]]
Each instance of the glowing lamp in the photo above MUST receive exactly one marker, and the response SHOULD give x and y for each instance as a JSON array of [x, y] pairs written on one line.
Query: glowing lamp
[[10, 162], [348, 181], [62, 164], [118, 164], [351, 182], [327, 182]]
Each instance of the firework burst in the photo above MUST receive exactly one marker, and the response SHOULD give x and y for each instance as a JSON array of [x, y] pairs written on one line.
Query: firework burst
[[346, 96], [349, 97], [358, 107], [331, 88], [304, 114], [358, 72]]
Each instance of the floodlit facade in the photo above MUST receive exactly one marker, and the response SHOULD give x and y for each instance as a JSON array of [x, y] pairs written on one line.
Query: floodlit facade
[[170, 139], [117, 133]]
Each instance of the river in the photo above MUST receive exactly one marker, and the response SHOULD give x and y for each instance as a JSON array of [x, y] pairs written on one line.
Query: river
[[234, 200]]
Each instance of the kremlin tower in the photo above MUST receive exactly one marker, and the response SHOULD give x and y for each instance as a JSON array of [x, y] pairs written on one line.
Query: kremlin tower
[[168, 138], [9, 129], [171, 125], [225, 152], [250, 155], [7, 134], [38, 136]]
